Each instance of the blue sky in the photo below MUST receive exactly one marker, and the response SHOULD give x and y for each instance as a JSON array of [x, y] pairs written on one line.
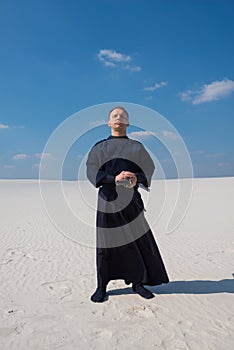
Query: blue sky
[[59, 57]]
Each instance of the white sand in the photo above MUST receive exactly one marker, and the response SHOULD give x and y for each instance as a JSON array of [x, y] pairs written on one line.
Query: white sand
[[47, 279]]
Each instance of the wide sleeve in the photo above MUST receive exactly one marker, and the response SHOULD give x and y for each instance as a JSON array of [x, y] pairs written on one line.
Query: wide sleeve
[[95, 169], [146, 168]]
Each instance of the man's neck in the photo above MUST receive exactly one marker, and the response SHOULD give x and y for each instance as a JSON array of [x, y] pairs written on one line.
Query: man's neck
[[118, 133]]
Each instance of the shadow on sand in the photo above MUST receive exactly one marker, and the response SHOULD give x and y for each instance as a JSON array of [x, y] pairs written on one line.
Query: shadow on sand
[[185, 287]]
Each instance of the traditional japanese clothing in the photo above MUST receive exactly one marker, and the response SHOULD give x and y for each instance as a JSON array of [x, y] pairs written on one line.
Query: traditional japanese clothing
[[126, 248]]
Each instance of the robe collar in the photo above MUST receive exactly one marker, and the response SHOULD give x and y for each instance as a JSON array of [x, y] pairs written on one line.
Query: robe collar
[[117, 137]]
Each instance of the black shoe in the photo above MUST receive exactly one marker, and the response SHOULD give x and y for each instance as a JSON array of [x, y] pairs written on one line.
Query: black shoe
[[99, 295], [142, 291], [127, 282]]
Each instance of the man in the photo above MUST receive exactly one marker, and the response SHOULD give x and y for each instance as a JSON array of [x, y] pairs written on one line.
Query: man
[[126, 248]]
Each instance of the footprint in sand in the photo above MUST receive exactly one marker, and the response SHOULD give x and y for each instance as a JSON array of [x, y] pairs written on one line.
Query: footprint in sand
[[185, 325], [5, 331], [100, 335], [60, 289], [15, 254], [141, 311]]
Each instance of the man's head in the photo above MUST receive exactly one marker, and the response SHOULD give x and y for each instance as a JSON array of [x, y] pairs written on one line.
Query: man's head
[[118, 119]]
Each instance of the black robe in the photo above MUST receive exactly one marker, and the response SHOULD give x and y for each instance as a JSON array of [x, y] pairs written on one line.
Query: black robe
[[126, 248]]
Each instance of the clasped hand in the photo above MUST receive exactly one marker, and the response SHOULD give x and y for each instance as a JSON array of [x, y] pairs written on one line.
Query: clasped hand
[[127, 175]]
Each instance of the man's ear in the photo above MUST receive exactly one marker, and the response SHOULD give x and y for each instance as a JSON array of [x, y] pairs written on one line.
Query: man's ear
[[109, 123]]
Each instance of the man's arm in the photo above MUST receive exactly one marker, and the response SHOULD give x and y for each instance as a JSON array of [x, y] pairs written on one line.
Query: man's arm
[[146, 168], [95, 170]]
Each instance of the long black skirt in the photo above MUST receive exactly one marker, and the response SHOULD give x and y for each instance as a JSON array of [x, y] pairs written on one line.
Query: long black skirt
[[138, 260]]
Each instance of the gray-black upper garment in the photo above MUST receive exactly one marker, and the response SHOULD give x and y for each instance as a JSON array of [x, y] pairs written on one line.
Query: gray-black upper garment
[[126, 248]]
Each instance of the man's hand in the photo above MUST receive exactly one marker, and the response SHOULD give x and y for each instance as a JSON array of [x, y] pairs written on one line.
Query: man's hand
[[127, 175]]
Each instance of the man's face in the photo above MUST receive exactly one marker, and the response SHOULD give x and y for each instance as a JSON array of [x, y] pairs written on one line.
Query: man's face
[[118, 119]]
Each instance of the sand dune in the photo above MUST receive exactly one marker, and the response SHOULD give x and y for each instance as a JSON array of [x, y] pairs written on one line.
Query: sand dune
[[47, 272]]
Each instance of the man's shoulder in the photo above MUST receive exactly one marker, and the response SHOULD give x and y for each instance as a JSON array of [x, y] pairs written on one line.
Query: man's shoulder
[[100, 141], [124, 140], [136, 142]]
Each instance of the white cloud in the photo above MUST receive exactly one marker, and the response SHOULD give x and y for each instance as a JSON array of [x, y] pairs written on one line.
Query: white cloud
[[109, 64], [148, 98], [43, 155], [3, 126], [110, 56], [170, 135], [215, 155], [224, 164], [113, 59], [200, 151], [36, 165], [133, 68], [209, 92], [98, 122], [166, 161], [155, 86], [187, 95], [8, 166], [20, 156], [141, 135]]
